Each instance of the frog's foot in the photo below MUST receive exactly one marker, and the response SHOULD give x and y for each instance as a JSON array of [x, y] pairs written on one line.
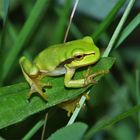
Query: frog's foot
[[38, 87], [70, 105], [89, 79], [87, 96]]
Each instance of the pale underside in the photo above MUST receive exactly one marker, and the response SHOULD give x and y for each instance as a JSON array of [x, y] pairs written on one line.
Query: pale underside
[[58, 71]]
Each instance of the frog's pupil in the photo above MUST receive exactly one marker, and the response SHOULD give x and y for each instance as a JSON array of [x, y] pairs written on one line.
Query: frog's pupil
[[79, 57]]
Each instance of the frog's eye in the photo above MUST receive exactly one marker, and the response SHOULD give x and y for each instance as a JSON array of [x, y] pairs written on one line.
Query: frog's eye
[[79, 57]]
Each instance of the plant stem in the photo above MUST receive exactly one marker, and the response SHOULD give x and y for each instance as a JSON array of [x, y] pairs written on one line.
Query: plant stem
[[70, 21]]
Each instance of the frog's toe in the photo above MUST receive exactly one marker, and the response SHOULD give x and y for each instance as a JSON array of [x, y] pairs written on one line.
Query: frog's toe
[[46, 85], [87, 72], [44, 96], [39, 90], [90, 80], [94, 81], [32, 90]]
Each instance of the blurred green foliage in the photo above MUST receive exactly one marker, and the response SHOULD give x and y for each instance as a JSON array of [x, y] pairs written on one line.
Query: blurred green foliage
[[31, 26]]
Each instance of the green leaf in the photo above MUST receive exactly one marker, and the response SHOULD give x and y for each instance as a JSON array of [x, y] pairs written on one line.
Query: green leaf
[[4, 4], [129, 29], [107, 121], [71, 132], [15, 107]]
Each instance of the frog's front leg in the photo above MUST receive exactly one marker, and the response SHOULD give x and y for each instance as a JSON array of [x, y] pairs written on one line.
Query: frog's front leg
[[68, 79], [75, 83], [89, 79], [33, 76]]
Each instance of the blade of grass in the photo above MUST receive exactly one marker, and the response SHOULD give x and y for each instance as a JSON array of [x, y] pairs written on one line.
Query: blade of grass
[[12, 31], [35, 128], [2, 44], [118, 28], [24, 35], [107, 121], [138, 93], [63, 14], [108, 20], [128, 30]]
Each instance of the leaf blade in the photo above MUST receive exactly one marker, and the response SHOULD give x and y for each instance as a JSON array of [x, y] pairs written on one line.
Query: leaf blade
[[128, 29], [13, 99], [71, 132], [4, 4]]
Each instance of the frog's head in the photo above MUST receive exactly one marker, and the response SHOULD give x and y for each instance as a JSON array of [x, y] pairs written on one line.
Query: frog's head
[[84, 53]]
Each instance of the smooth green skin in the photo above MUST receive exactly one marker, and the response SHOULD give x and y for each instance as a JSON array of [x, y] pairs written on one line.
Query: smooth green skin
[[60, 59]]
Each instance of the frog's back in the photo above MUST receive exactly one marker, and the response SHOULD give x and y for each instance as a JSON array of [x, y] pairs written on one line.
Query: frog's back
[[51, 57], [55, 55]]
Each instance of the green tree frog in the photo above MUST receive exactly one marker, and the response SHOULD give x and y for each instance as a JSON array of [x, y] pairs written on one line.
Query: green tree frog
[[60, 59]]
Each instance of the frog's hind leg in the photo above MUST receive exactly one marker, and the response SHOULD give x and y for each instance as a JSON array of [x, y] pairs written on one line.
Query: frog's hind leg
[[33, 76]]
